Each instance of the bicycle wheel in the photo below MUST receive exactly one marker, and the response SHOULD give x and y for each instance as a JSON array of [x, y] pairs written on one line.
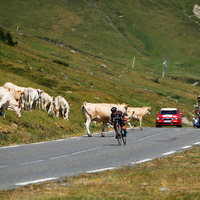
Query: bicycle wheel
[[119, 137], [123, 138]]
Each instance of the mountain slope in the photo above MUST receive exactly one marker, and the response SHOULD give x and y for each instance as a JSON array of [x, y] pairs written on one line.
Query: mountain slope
[[62, 45]]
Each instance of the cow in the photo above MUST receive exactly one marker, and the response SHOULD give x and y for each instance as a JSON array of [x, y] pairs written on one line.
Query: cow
[[31, 97], [7, 102], [8, 85], [16, 94], [60, 107], [46, 101], [137, 114], [99, 112]]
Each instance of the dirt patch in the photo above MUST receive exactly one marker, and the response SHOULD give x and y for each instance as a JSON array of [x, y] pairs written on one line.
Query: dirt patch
[[186, 121]]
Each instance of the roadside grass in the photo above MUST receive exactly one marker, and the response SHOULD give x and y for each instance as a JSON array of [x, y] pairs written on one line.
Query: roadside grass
[[174, 177]]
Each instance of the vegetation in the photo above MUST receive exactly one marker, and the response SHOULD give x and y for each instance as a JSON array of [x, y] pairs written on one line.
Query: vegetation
[[175, 177], [61, 46], [6, 37]]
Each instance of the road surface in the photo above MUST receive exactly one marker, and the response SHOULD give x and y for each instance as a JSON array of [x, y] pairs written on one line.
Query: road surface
[[32, 163]]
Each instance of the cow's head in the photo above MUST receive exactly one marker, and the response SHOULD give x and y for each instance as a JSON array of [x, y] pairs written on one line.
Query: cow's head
[[148, 110], [124, 110], [39, 91], [19, 95], [17, 109], [51, 107]]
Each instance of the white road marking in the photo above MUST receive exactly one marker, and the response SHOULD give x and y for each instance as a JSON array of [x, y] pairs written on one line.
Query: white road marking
[[168, 153], [144, 138], [57, 157], [78, 152], [7, 147], [100, 170], [36, 181], [31, 162], [1, 167], [186, 147], [197, 143], [59, 140], [141, 161], [75, 153]]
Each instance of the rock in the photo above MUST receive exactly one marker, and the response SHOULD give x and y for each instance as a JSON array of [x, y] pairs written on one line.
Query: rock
[[103, 66]]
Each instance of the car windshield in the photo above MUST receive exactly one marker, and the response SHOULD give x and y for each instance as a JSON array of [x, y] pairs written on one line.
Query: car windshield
[[168, 112]]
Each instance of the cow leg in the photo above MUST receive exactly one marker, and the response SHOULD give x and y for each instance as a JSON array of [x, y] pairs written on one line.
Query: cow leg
[[2, 112], [63, 113], [44, 107], [103, 128], [140, 120], [37, 103], [57, 112], [87, 124], [23, 104], [66, 114], [128, 122], [3, 102], [133, 124], [30, 105]]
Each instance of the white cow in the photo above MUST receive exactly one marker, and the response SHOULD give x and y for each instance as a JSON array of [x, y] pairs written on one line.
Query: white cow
[[137, 114], [46, 101], [7, 102], [60, 107], [16, 94], [31, 97], [99, 112], [8, 85]]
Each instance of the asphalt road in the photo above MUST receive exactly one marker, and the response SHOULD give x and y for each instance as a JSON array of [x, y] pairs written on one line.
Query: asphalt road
[[32, 163]]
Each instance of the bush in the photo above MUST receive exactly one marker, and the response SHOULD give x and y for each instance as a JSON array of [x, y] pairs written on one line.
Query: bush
[[7, 38], [61, 62], [2, 35]]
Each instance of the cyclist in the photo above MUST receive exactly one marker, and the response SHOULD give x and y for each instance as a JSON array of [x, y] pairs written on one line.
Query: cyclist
[[118, 114]]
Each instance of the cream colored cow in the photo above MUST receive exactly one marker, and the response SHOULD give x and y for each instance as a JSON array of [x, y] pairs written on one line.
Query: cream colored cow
[[60, 107], [137, 114], [8, 85], [46, 100], [16, 94], [7, 102], [99, 112]]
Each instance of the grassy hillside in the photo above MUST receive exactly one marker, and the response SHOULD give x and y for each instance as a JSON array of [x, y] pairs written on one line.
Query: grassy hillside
[[61, 46]]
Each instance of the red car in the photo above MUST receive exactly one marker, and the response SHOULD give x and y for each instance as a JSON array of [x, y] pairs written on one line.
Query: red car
[[169, 117]]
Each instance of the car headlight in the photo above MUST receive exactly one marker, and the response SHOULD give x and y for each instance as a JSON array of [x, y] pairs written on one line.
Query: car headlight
[[158, 118], [176, 118]]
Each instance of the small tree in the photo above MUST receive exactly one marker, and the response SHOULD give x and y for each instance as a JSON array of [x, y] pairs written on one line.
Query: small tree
[[9, 39], [2, 35]]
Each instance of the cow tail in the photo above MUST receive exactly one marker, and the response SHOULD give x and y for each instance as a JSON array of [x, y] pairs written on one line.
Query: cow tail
[[83, 110]]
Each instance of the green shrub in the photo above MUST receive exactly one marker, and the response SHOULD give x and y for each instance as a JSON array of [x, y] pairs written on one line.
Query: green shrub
[[61, 62], [2, 35]]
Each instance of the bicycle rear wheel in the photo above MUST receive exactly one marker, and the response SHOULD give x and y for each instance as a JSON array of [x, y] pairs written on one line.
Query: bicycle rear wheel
[[123, 137]]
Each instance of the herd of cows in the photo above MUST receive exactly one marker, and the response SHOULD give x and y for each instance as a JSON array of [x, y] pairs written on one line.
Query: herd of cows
[[16, 98]]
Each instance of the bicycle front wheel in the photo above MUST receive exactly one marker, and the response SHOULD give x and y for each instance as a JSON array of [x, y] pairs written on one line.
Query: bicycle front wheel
[[119, 137]]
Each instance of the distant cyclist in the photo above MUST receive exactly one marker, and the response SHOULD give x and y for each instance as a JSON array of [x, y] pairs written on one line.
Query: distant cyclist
[[119, 115]]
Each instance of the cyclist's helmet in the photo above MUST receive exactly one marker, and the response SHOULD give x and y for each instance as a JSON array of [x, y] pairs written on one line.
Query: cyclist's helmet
[[113, 109]]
